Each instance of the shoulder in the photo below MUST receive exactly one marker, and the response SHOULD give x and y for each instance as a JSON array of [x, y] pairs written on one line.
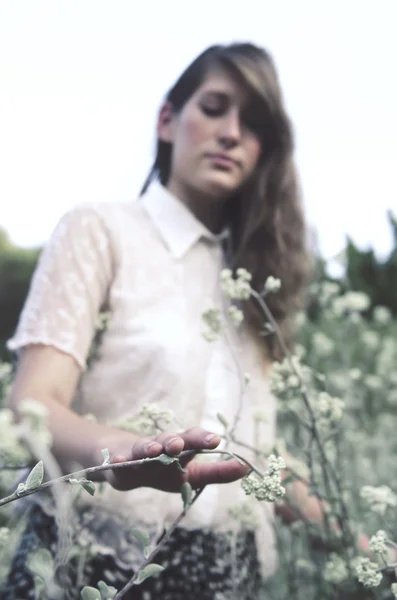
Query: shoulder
[[110, 217]]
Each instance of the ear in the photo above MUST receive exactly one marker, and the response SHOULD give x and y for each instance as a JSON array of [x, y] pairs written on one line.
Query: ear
[[165, 123]]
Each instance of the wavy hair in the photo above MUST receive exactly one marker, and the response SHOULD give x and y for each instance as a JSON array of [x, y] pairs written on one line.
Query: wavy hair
[[265, 216]]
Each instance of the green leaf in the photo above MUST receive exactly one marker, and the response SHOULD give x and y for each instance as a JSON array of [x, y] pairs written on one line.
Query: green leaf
[[187, 493], [90, 593], [41, 563], [149, 571], [166, 460], [106, 456], [222, 420], [144, 540], [89, 486], [107, 592], [169, 460], [35, 477]]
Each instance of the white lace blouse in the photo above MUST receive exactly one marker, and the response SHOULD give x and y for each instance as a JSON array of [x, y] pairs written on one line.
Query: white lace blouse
[[156, 268]]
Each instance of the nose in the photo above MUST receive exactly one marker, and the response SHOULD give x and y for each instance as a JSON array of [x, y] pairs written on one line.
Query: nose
[[230, 129]]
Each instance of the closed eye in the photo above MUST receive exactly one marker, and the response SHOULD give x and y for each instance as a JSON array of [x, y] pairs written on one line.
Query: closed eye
[[213, 111]]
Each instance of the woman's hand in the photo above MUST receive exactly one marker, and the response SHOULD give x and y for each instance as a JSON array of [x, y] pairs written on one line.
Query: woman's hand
[[168, 477]]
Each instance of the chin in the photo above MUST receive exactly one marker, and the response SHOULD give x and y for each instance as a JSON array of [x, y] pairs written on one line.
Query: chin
[[219, 186]]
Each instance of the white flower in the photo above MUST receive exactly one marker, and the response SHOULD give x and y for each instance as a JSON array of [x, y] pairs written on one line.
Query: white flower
[[300, 319], [394, 589], [302, 564], [370, 339], [244, 275], [350, 302], [150, 420], [377, 543], [379, 498], [236, 315], [245, 515], [326, 291], [12, 451], [239, 288], [382, 315], [35, 412], [269, 488], [275, 463], [335, 570], [293, 382], [300, 351], [329, 408], [213, 319], [272, 284], [355, 374], [322, 344], [367, 572], [373, 382]]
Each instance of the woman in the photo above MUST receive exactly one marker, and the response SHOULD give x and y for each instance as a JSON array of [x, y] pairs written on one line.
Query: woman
[[222, 192]]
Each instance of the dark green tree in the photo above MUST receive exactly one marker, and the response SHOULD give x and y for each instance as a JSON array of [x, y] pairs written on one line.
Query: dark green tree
[[16, 269]]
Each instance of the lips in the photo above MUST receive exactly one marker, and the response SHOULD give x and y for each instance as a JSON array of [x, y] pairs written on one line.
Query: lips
[[223, 160]]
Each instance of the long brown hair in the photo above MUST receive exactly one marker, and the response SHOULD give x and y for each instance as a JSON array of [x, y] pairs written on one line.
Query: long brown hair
[[266, 217]]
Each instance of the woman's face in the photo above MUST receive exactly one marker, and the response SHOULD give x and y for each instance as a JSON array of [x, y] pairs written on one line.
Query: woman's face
[[215, 147]]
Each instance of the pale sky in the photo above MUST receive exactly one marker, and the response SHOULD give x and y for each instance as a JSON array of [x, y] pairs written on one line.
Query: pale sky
[[81, 82]]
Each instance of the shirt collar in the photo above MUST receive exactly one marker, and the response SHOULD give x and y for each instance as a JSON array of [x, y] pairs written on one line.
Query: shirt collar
[[178, 226]]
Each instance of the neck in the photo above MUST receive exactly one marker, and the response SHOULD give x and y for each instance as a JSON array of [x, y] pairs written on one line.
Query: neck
[[209, 210]]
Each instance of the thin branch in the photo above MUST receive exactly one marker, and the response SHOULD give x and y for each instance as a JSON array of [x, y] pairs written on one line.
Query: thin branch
[[123, 465], [162, 541], [324, 459]]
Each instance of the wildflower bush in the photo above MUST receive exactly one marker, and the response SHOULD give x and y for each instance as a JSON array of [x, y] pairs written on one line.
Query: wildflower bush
[[337, 399]]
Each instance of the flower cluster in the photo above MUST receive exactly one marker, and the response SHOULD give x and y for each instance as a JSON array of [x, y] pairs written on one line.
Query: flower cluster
[[267, 488], [245, 515], [272, 284], [325, 291], [370, 339], [368, 572], [322, 345], [335, 570], [350, 302], [283, 376], [377, 543], [35, 415], [12, 452], [239, 288], [236, 315], [329, 409], [379, 498], [382, 315], [151, 420], [212, 318]]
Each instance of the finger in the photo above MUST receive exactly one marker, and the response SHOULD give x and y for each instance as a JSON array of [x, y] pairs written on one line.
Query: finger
[[197, 438], [145, 448], [172, 443], [201, 474]]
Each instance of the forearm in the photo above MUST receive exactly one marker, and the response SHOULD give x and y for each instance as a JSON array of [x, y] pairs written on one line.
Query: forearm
[[76, 441]]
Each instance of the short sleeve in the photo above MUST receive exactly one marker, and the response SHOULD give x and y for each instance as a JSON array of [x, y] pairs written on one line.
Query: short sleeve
[[69, 286]]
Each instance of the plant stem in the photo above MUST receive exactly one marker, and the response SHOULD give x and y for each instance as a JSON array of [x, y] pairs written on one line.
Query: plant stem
[[123, 465], [158, 547]]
